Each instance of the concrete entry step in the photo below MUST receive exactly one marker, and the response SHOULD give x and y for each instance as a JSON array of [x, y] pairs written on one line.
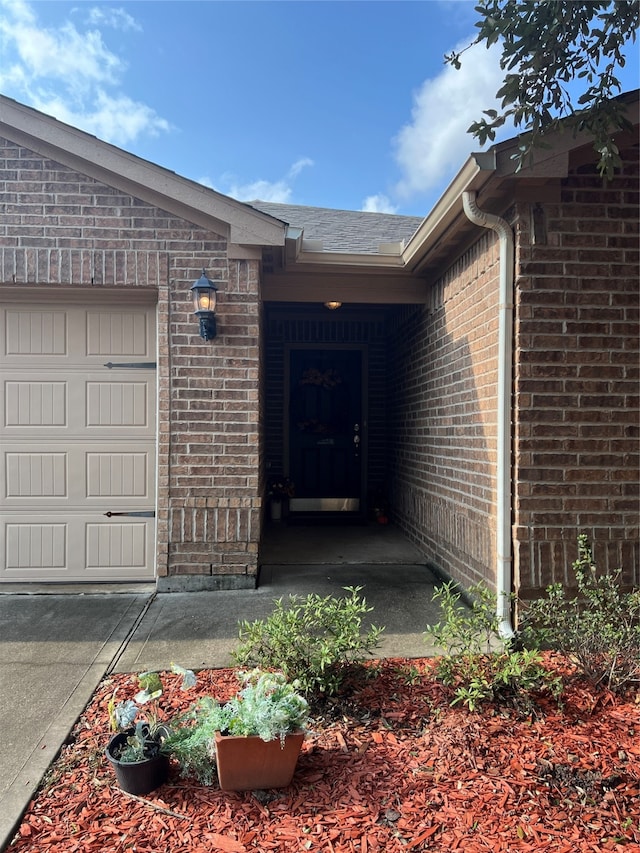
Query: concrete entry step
[[401, 597], [369, 544]]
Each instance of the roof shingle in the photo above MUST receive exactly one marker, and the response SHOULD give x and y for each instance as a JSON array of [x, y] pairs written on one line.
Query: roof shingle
[[349, 231]]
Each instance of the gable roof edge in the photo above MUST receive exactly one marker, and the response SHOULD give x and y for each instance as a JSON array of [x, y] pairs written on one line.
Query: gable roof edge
[[442, 217], [45, 135], [498, 165]]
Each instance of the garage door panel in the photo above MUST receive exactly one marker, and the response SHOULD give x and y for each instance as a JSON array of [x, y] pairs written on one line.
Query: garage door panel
[[124, 474], [107, 405], [36, 547], [52, 476], [117, 404], [36, 475], [41, 404], [115, 333], [33, 405], [118, 476], [76, 333], [30, 334], [77, 547], [117, 545]]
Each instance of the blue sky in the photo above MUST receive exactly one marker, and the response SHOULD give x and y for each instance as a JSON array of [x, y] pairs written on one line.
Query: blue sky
[[335, 104]]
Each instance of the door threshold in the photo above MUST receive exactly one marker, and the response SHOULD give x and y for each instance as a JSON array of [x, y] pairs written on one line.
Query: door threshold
[[328, 518]]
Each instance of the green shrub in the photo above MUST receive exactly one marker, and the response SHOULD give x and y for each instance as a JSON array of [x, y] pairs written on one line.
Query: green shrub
[[315, 641], [474, 662], [599, 629]]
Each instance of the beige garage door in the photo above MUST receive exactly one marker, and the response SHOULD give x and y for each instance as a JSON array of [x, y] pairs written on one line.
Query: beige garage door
[[77, 469]]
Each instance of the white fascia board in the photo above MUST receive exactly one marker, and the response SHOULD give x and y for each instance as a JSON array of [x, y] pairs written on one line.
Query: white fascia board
[[293, 243], [446, 210], [345, 259], [126, 172], [394, 248]]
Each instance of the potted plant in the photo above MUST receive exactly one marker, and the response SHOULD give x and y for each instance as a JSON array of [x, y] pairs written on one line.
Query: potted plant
[[138, 753], [257, 735], [279, 491]]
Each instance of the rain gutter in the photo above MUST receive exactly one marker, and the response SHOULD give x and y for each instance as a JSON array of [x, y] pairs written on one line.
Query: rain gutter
[[504, 568], [300, 250], [458, 200], [477, 170]]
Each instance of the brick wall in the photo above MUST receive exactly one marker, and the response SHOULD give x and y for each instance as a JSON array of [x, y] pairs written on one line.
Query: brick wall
[[576, 449], [442, 394], [62, 228], [214, 417], [576, 380]]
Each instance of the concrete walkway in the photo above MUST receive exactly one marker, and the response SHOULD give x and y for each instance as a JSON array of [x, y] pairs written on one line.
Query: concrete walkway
[[200, 630], [55, 648]]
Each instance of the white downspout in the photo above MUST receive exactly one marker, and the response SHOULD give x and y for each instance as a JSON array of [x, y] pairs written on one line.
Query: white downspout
[[504, 570]]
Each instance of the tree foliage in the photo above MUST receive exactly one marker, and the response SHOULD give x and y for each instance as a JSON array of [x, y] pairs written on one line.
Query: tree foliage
[[545, 46]]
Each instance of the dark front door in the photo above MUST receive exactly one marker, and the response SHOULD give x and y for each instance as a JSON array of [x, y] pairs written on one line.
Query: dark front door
[[326, 430]]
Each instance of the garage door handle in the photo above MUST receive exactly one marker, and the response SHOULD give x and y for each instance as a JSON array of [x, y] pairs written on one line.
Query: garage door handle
[[140, 365], [147, 514]]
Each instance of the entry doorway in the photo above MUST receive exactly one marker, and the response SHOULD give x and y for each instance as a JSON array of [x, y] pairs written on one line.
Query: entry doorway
[[325, 425], [310, 429]]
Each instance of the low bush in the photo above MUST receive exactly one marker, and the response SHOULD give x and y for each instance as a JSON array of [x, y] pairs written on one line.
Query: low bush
[[475, 662], [599, 629], [314, 640]]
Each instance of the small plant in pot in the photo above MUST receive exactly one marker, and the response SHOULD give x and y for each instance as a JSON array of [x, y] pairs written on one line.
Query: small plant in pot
[[138, 751], [280, 489], [257, 735]]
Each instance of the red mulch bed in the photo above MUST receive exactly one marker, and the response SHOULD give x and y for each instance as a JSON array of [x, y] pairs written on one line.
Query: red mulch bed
[[390, 768]]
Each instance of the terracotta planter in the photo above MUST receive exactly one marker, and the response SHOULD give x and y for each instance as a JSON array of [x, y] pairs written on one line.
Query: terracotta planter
[[250, 763], [137, 777]]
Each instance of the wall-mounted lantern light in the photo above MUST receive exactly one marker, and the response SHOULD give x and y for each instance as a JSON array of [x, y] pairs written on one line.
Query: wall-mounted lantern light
[[204, 294], [332, 306]]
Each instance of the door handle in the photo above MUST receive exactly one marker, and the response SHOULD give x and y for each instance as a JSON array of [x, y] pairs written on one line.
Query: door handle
[[356, 439], [146, 514]]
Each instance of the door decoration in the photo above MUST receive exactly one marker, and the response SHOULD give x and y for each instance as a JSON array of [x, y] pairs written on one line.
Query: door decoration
[[317, 383], [327, 379]]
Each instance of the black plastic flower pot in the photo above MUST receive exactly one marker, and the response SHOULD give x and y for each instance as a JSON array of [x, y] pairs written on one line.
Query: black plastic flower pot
[[136, 777]]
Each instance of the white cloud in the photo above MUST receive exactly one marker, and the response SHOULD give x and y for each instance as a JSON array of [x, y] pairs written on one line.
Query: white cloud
[[435, 143], [298, 166], [71, 74], [279, 191], [276, 191], [379, 203], [116, 18], [260, 190], [76, 59], [117, 119]]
